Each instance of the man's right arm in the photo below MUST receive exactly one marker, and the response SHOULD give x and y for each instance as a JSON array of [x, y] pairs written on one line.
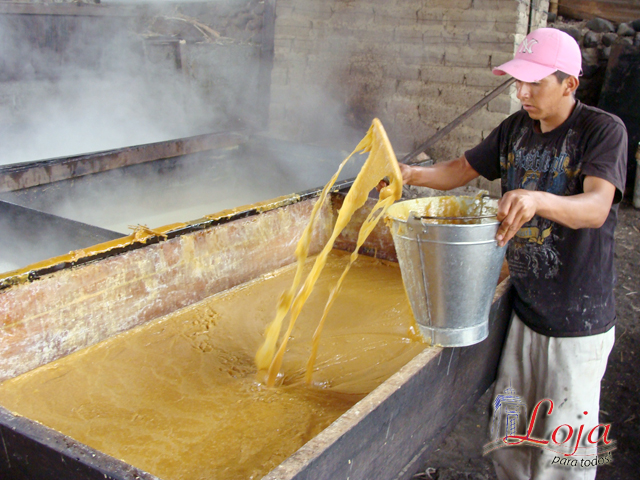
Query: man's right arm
[[440, 176]]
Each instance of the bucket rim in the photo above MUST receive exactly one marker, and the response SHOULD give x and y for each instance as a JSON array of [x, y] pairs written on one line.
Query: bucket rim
[[488, 222]]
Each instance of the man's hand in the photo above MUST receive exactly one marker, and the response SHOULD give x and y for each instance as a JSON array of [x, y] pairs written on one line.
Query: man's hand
[[405, 170], [515, 208], [585, 210], [440, 176]]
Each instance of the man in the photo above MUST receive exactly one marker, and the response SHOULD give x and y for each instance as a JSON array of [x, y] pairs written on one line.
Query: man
[[562, 165]]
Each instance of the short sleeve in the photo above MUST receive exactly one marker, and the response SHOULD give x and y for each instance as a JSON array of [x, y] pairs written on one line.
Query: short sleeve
[[485, 157], [606, 154]]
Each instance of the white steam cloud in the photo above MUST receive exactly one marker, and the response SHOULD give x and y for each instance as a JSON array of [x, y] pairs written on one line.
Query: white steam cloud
[[87, 84]]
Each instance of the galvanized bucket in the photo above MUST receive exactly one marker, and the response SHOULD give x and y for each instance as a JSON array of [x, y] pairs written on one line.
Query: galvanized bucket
[[450, 272]]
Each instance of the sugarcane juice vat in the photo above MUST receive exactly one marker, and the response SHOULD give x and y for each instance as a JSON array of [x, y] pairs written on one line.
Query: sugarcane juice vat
[[450, 264], [134, 359]]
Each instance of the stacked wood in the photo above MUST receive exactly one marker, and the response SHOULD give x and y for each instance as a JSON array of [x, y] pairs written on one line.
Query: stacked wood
[[610, 71], [596, 38], [613, 10]]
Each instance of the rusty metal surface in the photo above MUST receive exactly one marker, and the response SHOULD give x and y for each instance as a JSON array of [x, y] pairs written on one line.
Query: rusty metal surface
[[19, 176], [28, 236]]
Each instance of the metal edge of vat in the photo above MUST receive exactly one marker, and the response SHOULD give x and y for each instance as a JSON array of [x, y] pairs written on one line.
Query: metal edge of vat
[[389, 433], [29, 224], [53, 453], [18, 176], [196, 225]]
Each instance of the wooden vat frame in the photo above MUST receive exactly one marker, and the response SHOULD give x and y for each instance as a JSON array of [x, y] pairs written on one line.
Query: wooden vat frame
[[383, 436]]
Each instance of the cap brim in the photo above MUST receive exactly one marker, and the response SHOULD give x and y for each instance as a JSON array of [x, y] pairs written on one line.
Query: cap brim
[[523, 70]]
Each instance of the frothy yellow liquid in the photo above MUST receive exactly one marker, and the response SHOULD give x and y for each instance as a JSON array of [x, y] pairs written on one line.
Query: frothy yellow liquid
[[448, 209], [178, 397], [380, 164]]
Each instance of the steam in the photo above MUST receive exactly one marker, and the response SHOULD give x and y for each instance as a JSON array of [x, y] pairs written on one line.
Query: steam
[[125, 81], [115, 84], [179, 190], [94, 84]]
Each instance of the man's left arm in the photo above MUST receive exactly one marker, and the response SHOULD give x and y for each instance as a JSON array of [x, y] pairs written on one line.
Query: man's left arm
[[585, 210]]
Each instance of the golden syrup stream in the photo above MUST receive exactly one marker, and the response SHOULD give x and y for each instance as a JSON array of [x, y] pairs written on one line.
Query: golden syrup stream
[[380, 164]]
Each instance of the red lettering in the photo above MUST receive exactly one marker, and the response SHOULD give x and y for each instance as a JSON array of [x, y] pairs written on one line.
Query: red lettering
[[606, 426], [577, 442], [532, 421], [555, 432]]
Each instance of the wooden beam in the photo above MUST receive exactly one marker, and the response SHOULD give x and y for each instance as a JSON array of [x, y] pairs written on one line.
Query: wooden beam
[[30, 174], [69, 9]]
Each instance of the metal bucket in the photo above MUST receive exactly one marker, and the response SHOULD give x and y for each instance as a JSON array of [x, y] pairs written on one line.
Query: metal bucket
[[450, 272]]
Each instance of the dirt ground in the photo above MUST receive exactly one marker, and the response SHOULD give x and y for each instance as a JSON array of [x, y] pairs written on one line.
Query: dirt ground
[[460, 455]]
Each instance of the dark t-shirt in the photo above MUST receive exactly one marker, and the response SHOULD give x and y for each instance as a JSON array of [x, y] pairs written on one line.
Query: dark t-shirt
[[563, 278]]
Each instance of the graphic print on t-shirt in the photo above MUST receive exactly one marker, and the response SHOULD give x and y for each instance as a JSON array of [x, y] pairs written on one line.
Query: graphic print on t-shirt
[[563, 277], [543, 168]]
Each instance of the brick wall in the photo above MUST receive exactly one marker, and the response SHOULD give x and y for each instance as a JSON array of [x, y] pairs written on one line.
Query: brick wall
[[415, 64]]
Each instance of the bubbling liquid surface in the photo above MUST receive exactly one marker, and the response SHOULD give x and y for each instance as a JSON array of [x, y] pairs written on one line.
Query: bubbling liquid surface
[[178, 397]]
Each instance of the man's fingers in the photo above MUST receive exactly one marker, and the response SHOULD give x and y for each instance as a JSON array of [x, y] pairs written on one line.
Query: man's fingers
[[382, 185], [510, 214], [405, 170], [511, 231], [504, 206], [507, 229], [505, 215], [514, 210], [510, 225]]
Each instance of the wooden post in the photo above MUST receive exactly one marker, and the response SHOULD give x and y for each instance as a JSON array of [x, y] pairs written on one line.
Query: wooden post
[[553, 6]]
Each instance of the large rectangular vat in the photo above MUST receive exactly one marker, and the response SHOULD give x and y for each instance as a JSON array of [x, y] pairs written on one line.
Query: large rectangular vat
[[57, 308]]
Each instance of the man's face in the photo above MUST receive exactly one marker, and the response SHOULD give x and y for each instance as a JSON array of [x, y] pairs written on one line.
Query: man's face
[[543, 99]]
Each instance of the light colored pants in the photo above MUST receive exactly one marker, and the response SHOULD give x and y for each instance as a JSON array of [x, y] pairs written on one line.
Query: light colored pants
[[568, 371]]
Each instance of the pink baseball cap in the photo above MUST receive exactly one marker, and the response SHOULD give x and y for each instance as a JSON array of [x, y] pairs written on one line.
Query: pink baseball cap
[[541, 53]]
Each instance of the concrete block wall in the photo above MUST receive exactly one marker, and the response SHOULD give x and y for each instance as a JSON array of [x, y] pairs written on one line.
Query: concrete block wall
[[415, 64]]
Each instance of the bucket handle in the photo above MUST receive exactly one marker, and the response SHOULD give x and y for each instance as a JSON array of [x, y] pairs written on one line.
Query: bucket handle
[[425, 283], [471, 217]]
